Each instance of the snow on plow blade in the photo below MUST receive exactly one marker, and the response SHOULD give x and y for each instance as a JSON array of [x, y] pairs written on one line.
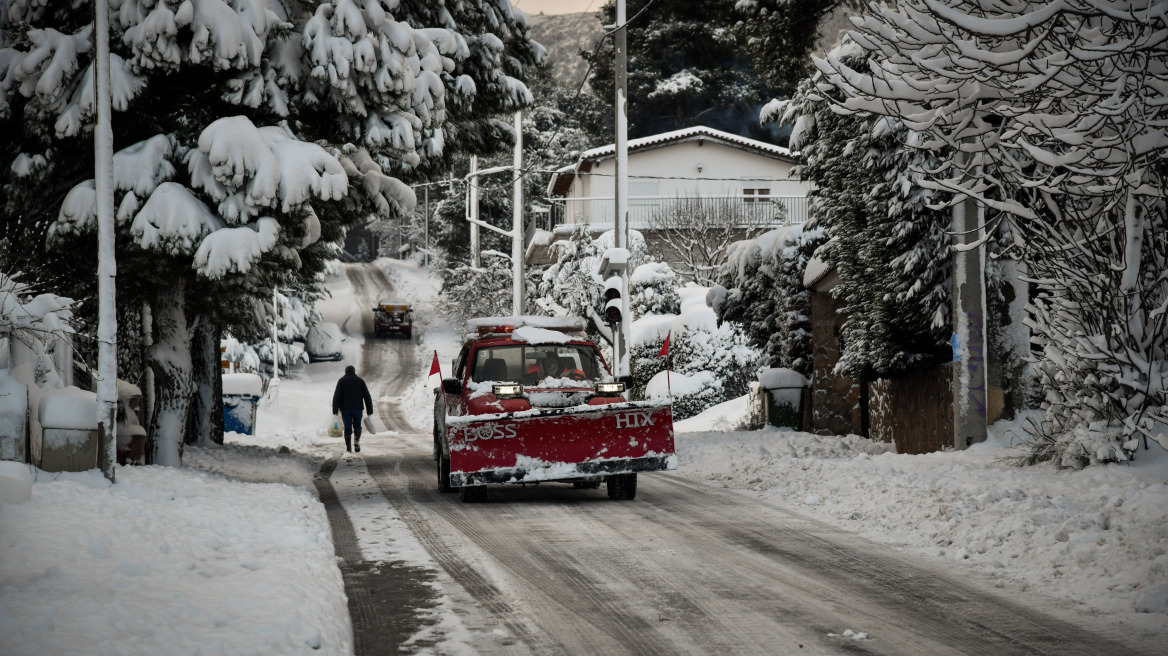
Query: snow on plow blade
[[560, 444]]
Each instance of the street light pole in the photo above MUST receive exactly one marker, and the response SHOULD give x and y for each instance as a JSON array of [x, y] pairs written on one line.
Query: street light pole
[[473, 209], [107, 323], [517, 220], [621, 191]]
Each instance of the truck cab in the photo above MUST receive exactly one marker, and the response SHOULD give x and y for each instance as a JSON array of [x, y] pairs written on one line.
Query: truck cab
[[531, 399]]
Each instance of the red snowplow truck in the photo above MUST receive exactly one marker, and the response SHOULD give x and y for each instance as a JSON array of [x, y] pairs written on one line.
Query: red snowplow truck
[[532, 400]]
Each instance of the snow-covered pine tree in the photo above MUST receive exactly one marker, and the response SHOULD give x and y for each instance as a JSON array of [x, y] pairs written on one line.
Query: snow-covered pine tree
[[890, 247], [687, 66], [781, 36], [760, 288], [224, 188], [1057, 111]]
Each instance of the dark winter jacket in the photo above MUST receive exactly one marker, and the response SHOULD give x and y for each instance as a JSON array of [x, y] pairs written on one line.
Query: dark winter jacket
[[351, 391]]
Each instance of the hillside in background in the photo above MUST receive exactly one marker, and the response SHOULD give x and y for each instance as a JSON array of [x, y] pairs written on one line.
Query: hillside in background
[[564, 36]]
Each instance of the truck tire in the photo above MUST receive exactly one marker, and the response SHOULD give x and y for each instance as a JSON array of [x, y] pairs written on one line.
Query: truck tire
[[622, 487], [472, 493], [444, 474]]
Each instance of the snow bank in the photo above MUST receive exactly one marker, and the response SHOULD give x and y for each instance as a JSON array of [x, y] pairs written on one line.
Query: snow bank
[[256, 463], [682, 384], [695, 314], [652, 328], [1096, 536], [168, 561], [725, 416], [15, 482]]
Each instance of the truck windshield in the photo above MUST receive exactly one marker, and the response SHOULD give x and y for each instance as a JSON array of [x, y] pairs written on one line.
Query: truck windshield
[[534, 364]]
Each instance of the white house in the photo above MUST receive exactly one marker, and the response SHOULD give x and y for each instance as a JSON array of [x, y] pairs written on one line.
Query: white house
[[694, 162]]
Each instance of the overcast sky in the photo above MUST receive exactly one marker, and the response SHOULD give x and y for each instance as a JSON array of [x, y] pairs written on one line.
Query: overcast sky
[[532, 7]]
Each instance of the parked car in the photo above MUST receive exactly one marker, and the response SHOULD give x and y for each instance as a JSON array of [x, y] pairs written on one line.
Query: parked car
[[323, 342], [393, 317]]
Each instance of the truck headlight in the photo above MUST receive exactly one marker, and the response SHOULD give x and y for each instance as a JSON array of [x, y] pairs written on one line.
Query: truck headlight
[[610, 389], [508, 391]]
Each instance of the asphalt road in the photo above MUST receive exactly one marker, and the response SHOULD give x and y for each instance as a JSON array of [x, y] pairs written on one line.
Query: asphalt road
[[686, 568]]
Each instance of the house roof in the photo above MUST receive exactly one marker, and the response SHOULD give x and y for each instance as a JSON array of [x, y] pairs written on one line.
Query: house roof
[[689, 134], [562, 178]]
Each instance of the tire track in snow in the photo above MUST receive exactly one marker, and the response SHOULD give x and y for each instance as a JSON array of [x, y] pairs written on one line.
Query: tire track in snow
[[407, 504]]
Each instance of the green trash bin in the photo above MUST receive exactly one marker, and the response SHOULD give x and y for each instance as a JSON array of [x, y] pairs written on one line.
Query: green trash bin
[[782, 391]]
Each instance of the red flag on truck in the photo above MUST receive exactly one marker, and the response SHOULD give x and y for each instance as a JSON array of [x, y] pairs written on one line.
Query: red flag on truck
[[434, 368], [665, 354]]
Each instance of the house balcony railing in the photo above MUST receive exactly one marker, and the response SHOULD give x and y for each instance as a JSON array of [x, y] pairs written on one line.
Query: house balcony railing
[[754, 211]]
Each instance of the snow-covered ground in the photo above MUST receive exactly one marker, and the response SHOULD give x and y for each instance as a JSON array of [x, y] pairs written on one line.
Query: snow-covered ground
[[435, 334], [168, 561], [1096, 537]]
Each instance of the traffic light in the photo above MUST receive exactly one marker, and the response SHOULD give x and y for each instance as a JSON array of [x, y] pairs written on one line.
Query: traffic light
[[612, 299]]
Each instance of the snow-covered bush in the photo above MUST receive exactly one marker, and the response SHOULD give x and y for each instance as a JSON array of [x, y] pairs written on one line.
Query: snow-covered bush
[[653, 290], [718, 356], [1059, 138], [468, 292], [760, 287], [35, 324]]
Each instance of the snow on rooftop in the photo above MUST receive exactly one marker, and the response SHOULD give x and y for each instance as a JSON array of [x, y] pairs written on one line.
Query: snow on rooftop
[[815, 271], [778, 377], [70, 408], [687, 133], [249, 384], [533, 335]]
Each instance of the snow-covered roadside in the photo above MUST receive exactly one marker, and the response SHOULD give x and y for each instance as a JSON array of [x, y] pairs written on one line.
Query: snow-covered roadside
[[168, 561], [432, 331], [1097, 537]]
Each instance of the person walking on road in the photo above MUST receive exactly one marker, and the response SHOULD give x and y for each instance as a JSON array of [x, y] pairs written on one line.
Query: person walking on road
[[347, 399]]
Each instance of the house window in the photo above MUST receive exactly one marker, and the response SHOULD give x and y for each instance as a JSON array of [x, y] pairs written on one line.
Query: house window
[[756, 195]]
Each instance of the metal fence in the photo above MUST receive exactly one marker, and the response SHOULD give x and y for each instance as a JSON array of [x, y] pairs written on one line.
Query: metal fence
[[598, 211]]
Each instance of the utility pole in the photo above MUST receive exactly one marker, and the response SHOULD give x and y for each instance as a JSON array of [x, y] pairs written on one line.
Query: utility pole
[[473, 212], [107, 323], [517, 220], [969, 324], [621, 191]]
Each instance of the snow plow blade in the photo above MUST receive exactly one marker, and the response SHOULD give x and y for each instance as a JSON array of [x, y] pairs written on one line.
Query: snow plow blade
[[560, 444]]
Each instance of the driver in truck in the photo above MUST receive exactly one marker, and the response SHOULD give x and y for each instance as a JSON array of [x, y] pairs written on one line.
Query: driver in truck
[[553, 366]]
